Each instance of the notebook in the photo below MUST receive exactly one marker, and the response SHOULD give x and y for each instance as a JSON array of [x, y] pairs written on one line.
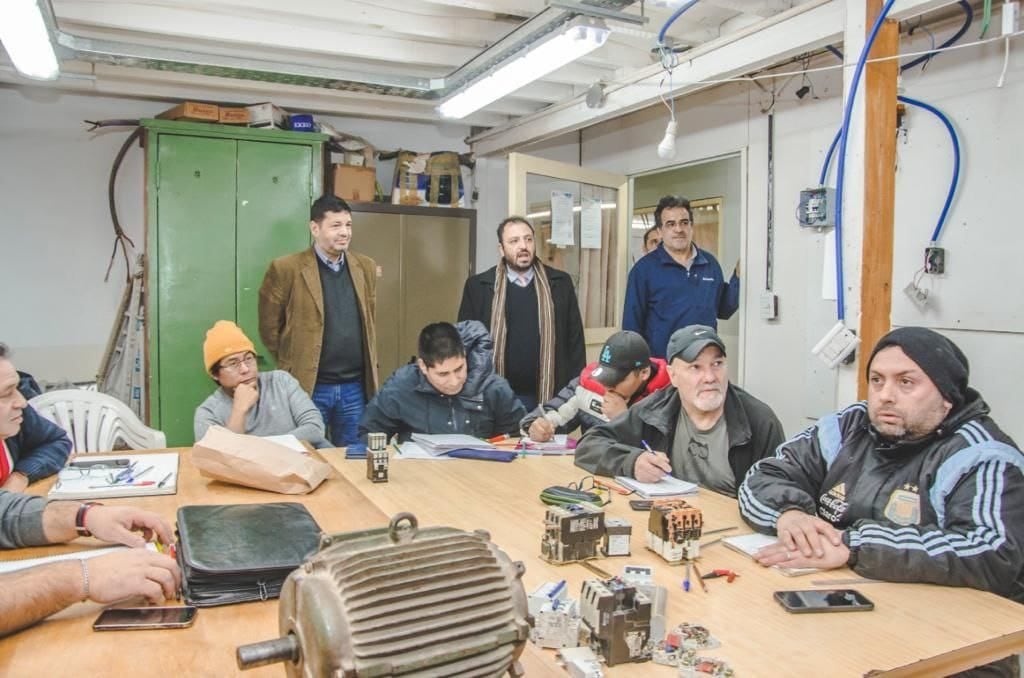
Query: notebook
[[153, 474], [668, 486], [437, 444], [411, 450], [750, 544]]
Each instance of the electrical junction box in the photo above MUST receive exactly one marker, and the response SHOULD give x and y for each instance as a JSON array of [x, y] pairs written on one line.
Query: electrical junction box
[[934, 260], [817, 207]]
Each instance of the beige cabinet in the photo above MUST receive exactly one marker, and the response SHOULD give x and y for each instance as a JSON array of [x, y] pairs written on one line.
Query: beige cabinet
[[425, 255]]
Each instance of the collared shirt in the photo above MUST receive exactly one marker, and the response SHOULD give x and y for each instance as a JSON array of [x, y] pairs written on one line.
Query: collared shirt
[[663, 295], [333, 265], [517, 278]]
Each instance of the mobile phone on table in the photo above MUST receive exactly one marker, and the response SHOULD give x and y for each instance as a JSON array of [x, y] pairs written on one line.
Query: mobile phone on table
[[833, 600], [139, 618], [640, 504]]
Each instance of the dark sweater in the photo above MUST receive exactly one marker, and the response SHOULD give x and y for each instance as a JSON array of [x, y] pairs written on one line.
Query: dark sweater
[[341, 358], [522, 344]]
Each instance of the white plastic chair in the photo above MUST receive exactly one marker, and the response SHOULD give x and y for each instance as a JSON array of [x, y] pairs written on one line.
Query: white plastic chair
[[95, 422]]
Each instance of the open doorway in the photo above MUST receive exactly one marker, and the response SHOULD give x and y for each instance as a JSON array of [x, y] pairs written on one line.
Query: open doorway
[[715, 190]]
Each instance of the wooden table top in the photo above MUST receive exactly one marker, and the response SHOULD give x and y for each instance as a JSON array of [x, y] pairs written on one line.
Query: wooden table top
[[906, 634]]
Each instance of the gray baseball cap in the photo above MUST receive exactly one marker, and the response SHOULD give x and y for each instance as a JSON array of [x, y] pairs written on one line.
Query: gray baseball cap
[[688, 342]]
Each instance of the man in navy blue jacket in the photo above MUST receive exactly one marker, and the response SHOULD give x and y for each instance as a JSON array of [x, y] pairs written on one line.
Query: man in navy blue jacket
[[676, 284], [31, 447]]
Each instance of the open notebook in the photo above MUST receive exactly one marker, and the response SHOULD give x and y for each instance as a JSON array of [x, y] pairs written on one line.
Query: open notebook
[[668, 486], [750, 544], [153, 474]]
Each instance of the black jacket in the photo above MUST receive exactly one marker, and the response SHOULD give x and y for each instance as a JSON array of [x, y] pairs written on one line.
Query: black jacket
[[611, 449], [570, 346], [948, 509], [40, 447], [408, 404]]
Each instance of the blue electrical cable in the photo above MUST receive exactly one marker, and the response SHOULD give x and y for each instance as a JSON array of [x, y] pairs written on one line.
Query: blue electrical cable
[[678, 13], [841, 170], [956, 160], [828, 158]]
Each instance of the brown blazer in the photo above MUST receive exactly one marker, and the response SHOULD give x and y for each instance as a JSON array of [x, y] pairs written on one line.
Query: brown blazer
[[292, 315]]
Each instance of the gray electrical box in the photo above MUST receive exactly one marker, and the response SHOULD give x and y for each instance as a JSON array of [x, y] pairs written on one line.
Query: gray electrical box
[[817, 207]]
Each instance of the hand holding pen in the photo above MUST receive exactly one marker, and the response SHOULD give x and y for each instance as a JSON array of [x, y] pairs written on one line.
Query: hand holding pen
[[651, 466]]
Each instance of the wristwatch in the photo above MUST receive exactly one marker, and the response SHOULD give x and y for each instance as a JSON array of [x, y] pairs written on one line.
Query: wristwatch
[[80, 527]]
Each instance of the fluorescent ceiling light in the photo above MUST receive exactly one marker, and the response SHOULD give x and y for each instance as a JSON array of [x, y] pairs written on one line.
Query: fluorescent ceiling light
[[576, 39], [24, 35]]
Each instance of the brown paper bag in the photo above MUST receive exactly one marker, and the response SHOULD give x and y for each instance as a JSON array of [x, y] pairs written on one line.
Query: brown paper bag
[[255, 462]]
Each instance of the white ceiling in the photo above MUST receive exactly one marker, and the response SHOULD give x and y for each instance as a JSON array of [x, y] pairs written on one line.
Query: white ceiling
[[374, 38]]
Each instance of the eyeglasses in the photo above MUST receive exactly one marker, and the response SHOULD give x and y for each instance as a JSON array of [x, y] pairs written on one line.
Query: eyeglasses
[[698, 449], [233, 365]]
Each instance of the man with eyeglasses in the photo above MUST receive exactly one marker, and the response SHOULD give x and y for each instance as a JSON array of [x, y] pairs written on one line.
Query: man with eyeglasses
[[677, 284], [704, 430], [249, 401]]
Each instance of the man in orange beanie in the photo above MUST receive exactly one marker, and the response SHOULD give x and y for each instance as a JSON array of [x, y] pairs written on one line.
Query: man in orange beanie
[[250, 401]]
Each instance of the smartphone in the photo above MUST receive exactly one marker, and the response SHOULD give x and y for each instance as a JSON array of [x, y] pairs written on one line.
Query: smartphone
[[834, 600], [132, 618], [85, 463], [641, 504]]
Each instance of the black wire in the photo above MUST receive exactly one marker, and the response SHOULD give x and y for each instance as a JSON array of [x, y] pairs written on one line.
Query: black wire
[[120, 237]]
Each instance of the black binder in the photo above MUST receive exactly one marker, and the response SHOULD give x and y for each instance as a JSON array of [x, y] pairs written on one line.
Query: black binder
[[235, 553]]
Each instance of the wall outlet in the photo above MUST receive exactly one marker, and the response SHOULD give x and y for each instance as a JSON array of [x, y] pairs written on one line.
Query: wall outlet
[[917, 295], [769, 305], [838, 343]]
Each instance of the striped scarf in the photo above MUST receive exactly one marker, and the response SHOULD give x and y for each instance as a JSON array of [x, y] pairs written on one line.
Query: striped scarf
[[546, 316]]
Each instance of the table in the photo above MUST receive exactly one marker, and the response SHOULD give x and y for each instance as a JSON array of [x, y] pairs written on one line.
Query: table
[[906, 634]]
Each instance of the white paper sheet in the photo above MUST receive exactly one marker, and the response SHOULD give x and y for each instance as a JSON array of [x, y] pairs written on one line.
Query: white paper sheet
[[561, 218], [590, 224]]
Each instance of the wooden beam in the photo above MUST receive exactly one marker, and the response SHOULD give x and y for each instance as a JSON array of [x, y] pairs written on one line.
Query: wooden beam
[[880, 81]]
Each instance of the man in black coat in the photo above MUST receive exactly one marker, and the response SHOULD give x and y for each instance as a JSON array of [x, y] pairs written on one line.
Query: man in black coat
[[532, 314]]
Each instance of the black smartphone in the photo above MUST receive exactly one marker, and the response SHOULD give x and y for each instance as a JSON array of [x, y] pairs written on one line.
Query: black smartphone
[[834, 600], [138, 618], [641, 504], [89, 463]]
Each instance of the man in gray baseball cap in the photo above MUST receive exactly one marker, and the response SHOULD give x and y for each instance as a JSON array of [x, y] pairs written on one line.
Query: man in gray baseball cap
[[704, 430]]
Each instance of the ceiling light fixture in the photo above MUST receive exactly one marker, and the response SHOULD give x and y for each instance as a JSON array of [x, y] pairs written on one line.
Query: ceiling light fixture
[[566, 44], [24, 36]]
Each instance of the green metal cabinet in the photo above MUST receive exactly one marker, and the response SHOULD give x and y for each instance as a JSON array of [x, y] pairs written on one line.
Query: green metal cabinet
[[221, 203]]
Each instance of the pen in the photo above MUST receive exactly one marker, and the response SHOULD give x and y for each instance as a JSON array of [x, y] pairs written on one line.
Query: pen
[[498, 439], [686, 578], [721, 529], [649, 450], [700, 579], [608, 485], [166, 478]]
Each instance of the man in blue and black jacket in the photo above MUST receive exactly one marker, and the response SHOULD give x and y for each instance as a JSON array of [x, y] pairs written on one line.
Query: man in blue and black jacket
[[31, 447], [917, 484]]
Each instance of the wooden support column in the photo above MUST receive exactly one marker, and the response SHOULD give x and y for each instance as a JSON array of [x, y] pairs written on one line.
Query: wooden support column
[[879, 188]]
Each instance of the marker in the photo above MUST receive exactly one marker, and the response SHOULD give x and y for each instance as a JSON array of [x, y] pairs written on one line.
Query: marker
[[498, 439]]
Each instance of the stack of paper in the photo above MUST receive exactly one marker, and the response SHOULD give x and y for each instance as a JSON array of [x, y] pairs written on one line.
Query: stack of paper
[[152, 474], [439, 444], [750, 544], [668, 486]]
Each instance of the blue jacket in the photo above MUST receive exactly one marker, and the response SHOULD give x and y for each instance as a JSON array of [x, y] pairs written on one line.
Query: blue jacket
[[485, 407], [40, 448], [662, 296]]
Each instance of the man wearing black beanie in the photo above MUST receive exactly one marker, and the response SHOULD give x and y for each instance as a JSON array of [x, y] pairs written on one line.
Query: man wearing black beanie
[[916, 484]]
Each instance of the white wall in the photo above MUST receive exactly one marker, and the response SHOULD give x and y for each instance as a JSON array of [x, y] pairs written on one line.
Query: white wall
[[980, 302], [55, 230]]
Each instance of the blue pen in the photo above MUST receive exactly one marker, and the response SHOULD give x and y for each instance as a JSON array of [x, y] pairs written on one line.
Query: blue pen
[[648, 448]]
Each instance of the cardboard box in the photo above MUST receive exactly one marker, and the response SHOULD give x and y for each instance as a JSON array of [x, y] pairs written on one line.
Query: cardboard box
[[234, 116], [192, 110], [355, 183], [267, 115]]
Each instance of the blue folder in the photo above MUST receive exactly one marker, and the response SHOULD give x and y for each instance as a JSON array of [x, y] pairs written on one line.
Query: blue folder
[[487, 454]]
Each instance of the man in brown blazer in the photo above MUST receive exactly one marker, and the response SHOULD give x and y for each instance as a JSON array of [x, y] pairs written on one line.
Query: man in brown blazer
[[317, 319]]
